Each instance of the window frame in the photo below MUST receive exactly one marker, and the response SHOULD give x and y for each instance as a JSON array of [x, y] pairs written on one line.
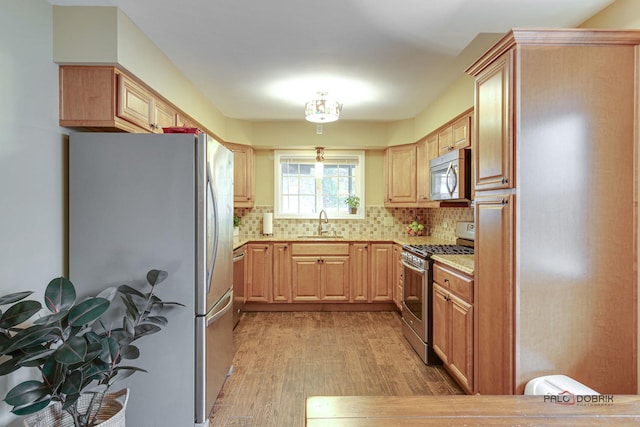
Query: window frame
[[279, 155]]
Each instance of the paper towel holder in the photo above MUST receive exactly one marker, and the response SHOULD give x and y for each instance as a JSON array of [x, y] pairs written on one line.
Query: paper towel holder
[[267, 224]]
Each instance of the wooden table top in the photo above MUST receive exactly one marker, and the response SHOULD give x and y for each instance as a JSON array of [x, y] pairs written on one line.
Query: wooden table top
[[463, 410]]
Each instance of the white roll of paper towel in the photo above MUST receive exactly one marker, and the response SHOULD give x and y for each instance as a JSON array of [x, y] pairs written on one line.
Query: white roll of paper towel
[[267, 223]]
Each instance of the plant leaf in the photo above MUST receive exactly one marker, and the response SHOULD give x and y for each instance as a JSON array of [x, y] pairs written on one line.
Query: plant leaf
[[72, 351], [126, 289], [87, 311], [59, 295], [110, 349], [108, 293], [15, 297], [51, 318], [132, 309], [33, 335], [9, 366], [146, 329], [155, 277], [38, 353], [123, 372], [158, 320], [27, 393], [52, 373], [73, 383], [70, 400], [33, 408], [130, 352], [19, 313]]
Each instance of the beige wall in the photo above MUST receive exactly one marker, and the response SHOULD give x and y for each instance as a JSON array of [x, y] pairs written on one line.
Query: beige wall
[[620, 14]]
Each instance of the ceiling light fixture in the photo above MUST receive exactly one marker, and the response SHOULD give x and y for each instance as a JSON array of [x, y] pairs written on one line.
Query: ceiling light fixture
[[322, 109]]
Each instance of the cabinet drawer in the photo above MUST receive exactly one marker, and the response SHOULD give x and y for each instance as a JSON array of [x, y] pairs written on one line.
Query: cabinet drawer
[[320, 249], [453, 280]]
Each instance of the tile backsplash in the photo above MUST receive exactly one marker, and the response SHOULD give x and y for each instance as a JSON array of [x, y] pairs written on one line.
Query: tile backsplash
[[439, 223]]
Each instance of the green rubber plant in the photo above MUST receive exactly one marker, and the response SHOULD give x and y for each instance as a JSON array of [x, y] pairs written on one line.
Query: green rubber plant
[[70, 345]]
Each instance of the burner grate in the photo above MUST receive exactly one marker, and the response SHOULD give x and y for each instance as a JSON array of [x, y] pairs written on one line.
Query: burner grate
[[427, 250]]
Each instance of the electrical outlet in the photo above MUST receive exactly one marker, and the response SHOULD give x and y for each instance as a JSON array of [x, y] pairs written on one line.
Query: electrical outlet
[[388, 222]]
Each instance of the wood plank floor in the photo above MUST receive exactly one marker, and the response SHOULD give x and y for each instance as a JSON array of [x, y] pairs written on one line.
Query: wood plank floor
[[282, 358]]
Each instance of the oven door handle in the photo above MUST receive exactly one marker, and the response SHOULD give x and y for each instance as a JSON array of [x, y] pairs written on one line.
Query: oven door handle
[[411, 267]]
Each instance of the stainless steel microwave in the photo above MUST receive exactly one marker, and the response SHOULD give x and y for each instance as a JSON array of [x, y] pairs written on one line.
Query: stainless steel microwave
[[451, 176]]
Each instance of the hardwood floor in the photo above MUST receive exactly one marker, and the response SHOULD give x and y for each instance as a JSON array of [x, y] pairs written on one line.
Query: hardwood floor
[[284, 357]]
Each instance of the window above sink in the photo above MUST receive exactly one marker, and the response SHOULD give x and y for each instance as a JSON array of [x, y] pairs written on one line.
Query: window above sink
[[303, 187]]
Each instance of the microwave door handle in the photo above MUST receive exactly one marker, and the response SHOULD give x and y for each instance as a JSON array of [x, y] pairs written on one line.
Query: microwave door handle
[[450, 170]]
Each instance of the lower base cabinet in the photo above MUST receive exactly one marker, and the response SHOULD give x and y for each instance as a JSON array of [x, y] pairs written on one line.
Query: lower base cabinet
[[259, 272], [336, 272], [453, 323]]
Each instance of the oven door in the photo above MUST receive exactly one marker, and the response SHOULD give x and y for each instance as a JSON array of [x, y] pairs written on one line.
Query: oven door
[[414, 298]]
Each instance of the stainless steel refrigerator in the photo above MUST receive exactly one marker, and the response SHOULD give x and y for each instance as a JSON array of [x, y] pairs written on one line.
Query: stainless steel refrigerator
[[141, 202]]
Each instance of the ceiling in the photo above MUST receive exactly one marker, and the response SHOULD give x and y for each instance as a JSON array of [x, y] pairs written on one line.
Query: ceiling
[[382, 59]]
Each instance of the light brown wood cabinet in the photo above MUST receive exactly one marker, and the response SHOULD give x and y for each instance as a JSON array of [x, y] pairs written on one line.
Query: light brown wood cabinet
[[556, 235], [427, 149], [359, 260], [455, 136], [381, 277], [141, 107], [105, 98], [453, 322], [493, 148], [407, 167], [281, 272], [320, 272], [400, 175], [494, 292], [259, 272], [243, 175]]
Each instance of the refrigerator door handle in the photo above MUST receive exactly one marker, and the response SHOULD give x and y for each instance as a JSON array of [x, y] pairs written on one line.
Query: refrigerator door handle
[[216, 314], [214, 250]]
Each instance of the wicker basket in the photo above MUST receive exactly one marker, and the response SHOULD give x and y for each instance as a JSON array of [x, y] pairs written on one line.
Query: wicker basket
[[111, 413]]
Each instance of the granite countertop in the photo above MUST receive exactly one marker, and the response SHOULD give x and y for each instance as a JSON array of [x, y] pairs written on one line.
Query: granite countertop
[[463, 263]]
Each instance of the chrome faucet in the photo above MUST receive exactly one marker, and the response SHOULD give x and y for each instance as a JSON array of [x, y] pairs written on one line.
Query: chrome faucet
[[322, 227]]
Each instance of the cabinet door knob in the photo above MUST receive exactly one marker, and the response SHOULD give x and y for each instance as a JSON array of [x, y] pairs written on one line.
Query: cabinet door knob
[[505, 180]]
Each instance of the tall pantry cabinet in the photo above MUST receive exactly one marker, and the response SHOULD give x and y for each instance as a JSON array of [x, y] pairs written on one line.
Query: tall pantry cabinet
[[555, 152]]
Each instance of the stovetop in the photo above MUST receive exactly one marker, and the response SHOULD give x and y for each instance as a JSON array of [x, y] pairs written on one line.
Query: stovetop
[[425, 251]]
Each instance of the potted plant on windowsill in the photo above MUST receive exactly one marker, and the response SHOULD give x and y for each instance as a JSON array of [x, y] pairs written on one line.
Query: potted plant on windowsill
[[78, 356], [353, 202]]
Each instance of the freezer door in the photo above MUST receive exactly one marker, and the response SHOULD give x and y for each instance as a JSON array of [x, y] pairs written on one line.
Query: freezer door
[[219, 347]]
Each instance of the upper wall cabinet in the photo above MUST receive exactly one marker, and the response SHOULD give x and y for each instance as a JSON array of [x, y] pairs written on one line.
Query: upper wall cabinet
[[407, 167], [107, 99], [455, 135], [400, 175], [243, 175]]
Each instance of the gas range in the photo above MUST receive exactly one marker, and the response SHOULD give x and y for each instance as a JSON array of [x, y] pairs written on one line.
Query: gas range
[[418, 255]]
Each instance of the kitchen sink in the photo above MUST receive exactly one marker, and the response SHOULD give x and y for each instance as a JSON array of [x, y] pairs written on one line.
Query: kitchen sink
[[323, 236]]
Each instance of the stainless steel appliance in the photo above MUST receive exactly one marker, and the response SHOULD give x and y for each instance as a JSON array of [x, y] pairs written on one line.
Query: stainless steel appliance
[[417, 289], [238, 284], [450, 177], [138, 202]]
